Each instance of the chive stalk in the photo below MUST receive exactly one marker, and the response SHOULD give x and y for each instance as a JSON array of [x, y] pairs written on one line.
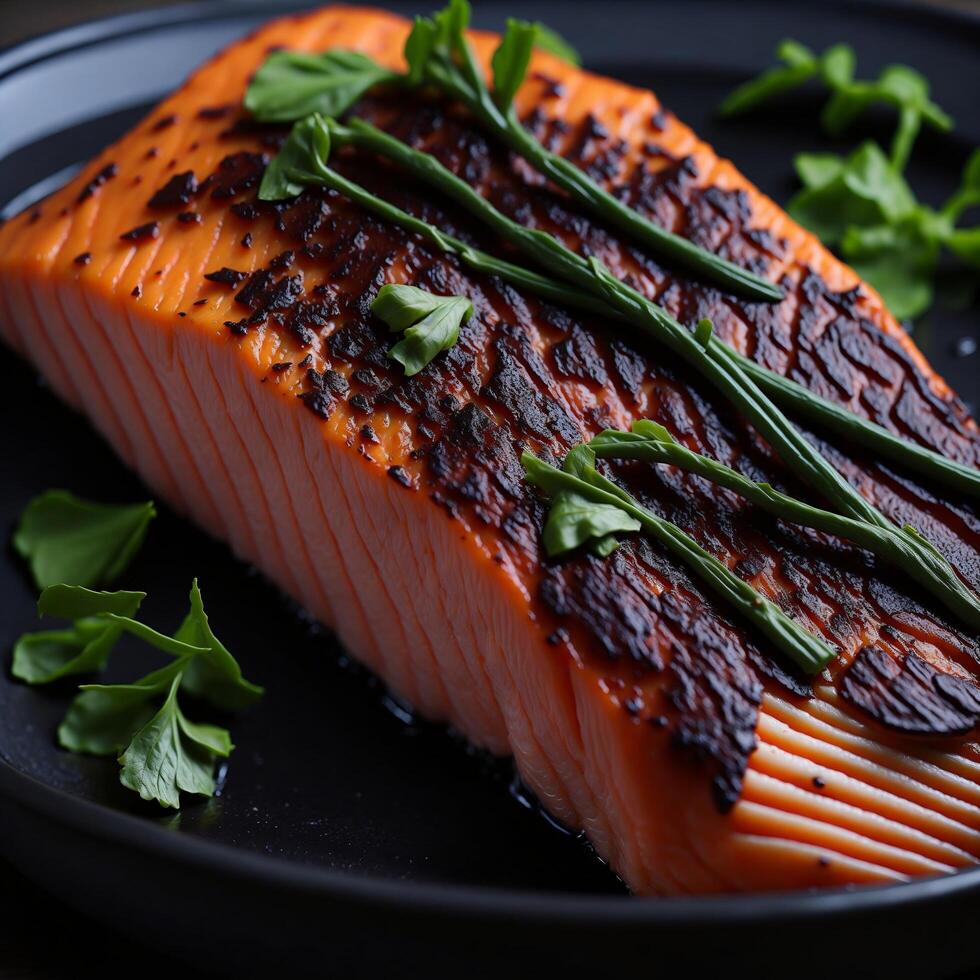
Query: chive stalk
[[652, 443], [671, 248], [805, 649]]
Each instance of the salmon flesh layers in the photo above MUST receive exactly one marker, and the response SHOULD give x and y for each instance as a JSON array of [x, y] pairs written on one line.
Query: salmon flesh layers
[[261, 402]]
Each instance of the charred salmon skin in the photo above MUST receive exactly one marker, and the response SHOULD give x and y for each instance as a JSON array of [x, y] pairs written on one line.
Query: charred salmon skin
[[226, 349]]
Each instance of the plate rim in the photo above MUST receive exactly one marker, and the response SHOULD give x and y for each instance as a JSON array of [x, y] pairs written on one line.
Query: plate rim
[[483, 902]]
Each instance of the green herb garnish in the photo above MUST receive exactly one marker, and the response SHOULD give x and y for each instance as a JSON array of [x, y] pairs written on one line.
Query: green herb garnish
[[171, 754], [161, 752], [574, 520], [439, 55], [214, 674], [809, 652], [897, 85], [861, 205], [652, 443], [717, 363], [49, 655], [67, 539], [292, 84], [430, 323], [303, 162]]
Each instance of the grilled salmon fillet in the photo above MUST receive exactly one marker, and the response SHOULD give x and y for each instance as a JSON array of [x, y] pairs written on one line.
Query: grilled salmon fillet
[[226, 348]]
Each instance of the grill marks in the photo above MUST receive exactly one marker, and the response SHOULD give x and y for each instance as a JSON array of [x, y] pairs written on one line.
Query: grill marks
[[526, 373], [911, 697]]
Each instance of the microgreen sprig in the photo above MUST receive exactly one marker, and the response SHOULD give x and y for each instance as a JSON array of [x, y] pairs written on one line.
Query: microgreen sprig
[[897, 85]]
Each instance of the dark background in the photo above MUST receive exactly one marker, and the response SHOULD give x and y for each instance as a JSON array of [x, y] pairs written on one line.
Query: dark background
[[40, 938]]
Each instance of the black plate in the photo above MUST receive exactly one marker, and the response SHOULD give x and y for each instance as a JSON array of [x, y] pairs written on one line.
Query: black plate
[[347, 837]]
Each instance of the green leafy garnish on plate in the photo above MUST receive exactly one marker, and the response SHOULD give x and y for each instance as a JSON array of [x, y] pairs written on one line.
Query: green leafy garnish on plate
[[897, 85], [838, 193], [861, 205], [864, 209], [214, 674], [799, 65], [429, 323], [160, 750], [102, 718], [171, 754], [69, 540], [49, 655]]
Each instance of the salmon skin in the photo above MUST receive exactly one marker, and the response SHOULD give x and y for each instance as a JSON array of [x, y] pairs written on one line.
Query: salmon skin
[[226, 348]]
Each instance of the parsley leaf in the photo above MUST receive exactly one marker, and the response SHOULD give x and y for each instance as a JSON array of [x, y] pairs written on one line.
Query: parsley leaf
[[49, 655], [66, 539], [103, 717], [800, 64], [170, 754], [864, 190], [430, 323], [574, 520], [76, 602], [215, 673], [898, 260], [293, 84]]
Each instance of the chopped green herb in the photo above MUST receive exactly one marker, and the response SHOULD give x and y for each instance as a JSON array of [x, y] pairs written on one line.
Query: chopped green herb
[[430, 323], [292, 84], [66, 539], [574, 520]]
